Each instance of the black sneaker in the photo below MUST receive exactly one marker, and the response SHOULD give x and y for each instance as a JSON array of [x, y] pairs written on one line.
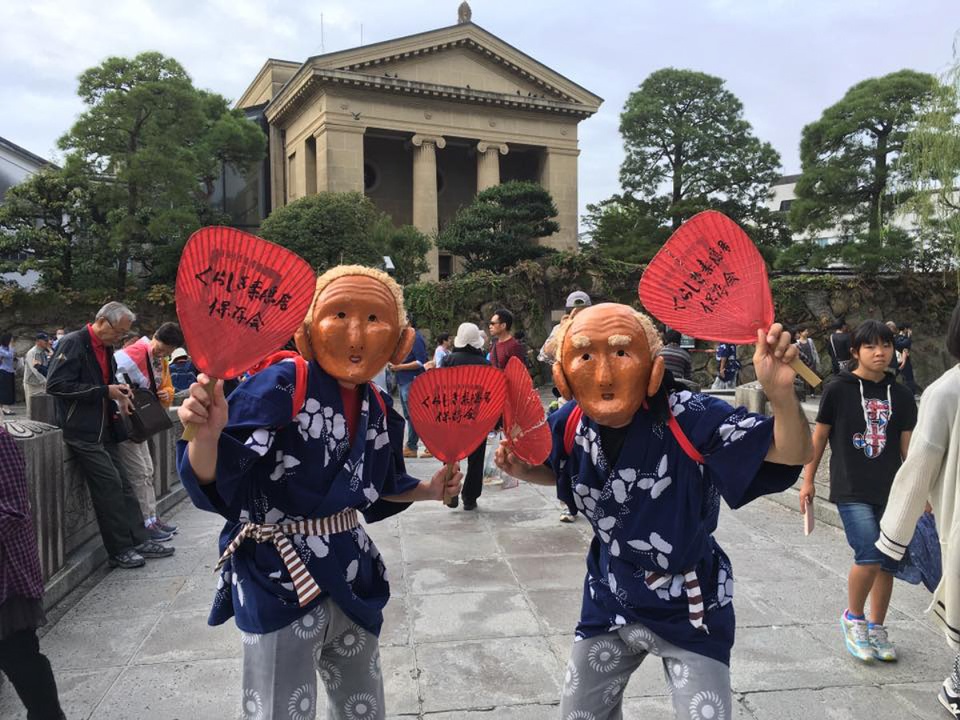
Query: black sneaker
[[127, 560], [469, 504], [151, 549], [949, 699]]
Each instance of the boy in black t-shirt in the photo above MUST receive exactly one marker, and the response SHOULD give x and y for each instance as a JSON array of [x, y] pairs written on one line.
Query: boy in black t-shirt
[[867, 418]]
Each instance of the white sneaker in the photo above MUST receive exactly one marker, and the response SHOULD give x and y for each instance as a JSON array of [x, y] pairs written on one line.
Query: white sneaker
[[882, 647], [856, 636]]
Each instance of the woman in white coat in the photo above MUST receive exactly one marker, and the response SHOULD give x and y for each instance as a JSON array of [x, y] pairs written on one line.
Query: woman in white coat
[[931, 473]]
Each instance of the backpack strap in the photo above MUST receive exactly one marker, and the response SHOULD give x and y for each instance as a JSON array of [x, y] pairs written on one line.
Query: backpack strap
[[300, 384], [573, 421]]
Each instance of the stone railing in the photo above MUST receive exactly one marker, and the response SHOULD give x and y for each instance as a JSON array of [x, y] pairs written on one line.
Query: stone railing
[[67, 533]]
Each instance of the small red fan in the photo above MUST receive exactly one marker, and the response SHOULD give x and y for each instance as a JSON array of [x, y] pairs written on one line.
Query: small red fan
[[239, 298], [524, 422], [710, 281], [453, 409]]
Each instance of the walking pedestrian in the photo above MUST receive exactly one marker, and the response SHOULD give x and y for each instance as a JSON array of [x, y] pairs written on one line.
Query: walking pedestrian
[[930, 478], [468, 350], [406, 373], [903, 345], [182, 372], [89, 403], [675, 358], [143, 364], [839, 347], [35, 365], [506, 346], [728, 369], [867, 417], [21, 591], [7, 374], [442, 350]]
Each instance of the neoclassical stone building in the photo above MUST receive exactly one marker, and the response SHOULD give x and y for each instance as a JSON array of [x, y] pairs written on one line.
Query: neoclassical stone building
[[421, 124]]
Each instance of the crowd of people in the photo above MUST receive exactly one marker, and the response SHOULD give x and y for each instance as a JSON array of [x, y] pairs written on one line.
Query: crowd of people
[[637, 450]]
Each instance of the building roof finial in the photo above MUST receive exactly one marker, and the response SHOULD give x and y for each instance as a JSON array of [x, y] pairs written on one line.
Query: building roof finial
[[464, 13]]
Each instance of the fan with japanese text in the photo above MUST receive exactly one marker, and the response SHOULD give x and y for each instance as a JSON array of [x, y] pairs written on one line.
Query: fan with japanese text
[[524, 422]]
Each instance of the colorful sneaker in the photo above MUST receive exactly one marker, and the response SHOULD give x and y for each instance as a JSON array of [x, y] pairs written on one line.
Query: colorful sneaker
[[882, 647], [857, 638], [949, 698]]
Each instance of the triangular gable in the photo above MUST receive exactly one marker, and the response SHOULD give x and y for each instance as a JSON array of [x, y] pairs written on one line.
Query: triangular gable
[[469, 43]]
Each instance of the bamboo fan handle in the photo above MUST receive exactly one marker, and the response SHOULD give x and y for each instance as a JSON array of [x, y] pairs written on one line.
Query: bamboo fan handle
[[449, 500], [806, 373], [190, 430]]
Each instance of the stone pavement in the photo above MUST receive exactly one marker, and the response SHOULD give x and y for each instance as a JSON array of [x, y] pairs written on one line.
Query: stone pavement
[[481, 620]]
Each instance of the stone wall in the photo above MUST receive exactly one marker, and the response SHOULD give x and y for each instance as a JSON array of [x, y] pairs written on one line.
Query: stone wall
[[67, 534]]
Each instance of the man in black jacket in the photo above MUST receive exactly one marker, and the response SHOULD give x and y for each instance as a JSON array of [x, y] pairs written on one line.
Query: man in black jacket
[[88, 408], [468, 350]]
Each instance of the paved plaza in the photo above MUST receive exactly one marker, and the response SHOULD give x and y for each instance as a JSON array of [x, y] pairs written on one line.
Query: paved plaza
[[481, 619]]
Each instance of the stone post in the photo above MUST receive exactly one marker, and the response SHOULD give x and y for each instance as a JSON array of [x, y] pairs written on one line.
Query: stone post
[[339, 165], [425, 212], [559, 177], [488, 164]]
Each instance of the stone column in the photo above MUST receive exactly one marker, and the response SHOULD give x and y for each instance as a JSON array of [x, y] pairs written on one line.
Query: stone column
[[277, 168], [488, 164], [339, 157], [425, 212], [559, 176]]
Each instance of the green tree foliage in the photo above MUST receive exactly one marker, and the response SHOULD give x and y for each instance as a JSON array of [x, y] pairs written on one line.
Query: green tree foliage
[[932, 156], [48, 223], [627, 229], [851, 171], [689, 148], [407, 248], [152, 144], [501, 226], [328, 229]]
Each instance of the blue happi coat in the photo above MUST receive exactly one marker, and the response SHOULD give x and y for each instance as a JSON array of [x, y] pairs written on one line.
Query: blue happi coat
[[271, 469], [655, 511]]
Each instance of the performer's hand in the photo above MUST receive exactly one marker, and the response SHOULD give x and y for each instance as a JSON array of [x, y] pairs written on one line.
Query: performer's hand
[[208, 411], [443, 487], [772, 358], [506, 460]]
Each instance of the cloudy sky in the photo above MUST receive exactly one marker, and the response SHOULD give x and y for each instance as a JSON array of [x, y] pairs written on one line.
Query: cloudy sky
[[785, 59]]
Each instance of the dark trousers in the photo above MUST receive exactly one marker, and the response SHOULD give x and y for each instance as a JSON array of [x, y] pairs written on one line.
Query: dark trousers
[[30, 674], [473, 482], [114, 500]]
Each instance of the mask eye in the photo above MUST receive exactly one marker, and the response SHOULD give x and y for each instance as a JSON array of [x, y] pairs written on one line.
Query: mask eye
[[372, 318], [341, 315], [621, 353], [585, 356]]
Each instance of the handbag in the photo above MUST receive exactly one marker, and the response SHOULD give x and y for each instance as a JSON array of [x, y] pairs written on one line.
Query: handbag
[[149, 417]]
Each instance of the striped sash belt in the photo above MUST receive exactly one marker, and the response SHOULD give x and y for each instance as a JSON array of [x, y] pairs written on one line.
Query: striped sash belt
[[691, 586], [278, 534]]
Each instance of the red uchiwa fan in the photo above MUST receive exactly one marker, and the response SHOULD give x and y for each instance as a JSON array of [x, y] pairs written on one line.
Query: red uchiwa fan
[[709, 281], [239, 298], [524, 421], [453, 409]]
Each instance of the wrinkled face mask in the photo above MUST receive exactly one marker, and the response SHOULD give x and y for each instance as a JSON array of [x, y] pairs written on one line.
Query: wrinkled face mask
[[606, 364], [355, 330]]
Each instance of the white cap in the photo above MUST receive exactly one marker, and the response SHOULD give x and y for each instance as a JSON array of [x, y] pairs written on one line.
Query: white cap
[[177, 354], [578, 298], [468, 334]]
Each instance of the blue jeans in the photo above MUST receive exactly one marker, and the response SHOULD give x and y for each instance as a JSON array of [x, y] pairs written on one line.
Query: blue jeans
[[412, 439], [861, 523]]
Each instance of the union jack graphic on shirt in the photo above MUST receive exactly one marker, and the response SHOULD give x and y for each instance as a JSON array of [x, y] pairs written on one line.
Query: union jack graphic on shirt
[[874, 439]]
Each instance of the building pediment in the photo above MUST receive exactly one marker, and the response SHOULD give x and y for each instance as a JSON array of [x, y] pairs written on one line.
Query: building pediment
[[461, 63]]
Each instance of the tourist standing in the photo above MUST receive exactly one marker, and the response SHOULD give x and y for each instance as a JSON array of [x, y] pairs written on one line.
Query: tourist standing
[[7, 373], [442, 350], [88, 411], [143, 364], [35, 366], [182, 372], [407, 372], [930, 476], [867, 418], [468, 350], [728, 369], [839, 347], [675, 358], [21, 591], [507, 346], [903, 344]]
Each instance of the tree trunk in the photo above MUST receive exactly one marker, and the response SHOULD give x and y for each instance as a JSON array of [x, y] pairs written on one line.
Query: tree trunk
[[677, 195], [881, 173], [66, 265]]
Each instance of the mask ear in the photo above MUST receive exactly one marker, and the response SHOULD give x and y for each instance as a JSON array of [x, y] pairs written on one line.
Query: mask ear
[[560, 380], [404, 345], [656, 377], [302, 339]]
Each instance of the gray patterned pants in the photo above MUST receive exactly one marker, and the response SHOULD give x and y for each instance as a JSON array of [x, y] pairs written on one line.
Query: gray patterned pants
[[280, 669], [600, 667]]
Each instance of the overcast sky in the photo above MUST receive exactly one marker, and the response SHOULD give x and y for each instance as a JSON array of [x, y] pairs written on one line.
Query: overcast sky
[[785, 59]]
